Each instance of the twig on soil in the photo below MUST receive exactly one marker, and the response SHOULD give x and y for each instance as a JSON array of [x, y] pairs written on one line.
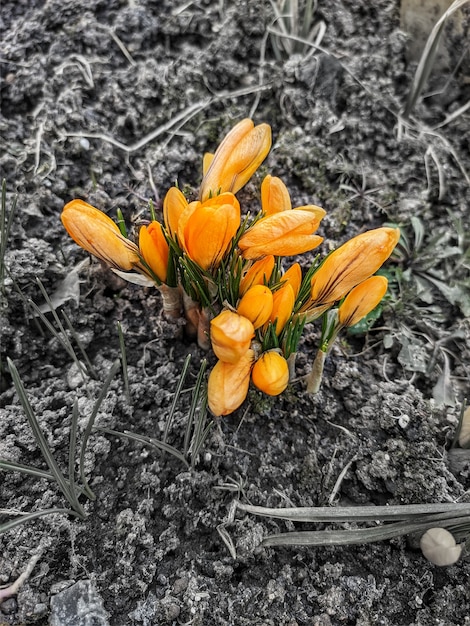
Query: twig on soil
[[339, 480], [182, 118], [13, 589]]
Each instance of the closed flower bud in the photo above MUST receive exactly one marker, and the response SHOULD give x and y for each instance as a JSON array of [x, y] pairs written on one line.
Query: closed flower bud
[[258, 274], [96, 233], [154, 249], [228, 384], [270, 373], [283, 305], [174, 204], [361, 300], [206, 229], [231, 335], [274, 196], [236, 159], [256, 305], [283, 234], [352, 263], [293, 276]]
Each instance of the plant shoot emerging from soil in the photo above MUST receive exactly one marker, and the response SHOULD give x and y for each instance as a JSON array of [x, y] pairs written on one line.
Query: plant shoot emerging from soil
[[222, 269]]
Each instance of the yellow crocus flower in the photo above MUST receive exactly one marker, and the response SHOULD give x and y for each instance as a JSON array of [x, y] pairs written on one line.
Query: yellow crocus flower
[[174, 205], [293, 276], [258, 274], [283, 304], [283, 234], [274, 196], [236, 159], [361, 300], [351, 264], [154, 249], [270, 373], [206, 229], [96, 233], [256, 305], [231, 336], [228, 384]]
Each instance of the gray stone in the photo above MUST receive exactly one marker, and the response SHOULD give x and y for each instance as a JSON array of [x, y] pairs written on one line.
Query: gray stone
[[79, 605]]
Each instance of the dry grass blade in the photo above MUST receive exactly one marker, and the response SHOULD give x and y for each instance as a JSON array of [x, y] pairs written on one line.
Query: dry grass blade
[[405, 519], [122, 345], [5, 226], [355, 537], [426, 62], [357, 513]]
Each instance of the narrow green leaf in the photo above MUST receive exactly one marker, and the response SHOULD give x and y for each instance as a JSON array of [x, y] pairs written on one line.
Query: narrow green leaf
[[89, 426], [32, 516]]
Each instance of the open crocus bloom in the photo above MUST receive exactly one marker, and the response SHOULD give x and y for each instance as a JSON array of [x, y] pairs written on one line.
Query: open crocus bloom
[[352, 263], [283, 234], [96, 233], [236, 159]]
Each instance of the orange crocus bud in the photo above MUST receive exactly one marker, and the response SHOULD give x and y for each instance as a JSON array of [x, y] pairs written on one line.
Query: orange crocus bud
[[361, 300], [231, 335], [206, 229], [293, 277], [274, 196], [228, 384], [154, 249], [256, 305], [96, 233], [236, 159], [283, 234], [174, 204], [352, 263], [271, 373], [258, 274], [283, 304]]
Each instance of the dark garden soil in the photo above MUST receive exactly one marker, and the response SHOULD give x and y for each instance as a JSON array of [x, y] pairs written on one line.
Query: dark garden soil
[[114, 101]]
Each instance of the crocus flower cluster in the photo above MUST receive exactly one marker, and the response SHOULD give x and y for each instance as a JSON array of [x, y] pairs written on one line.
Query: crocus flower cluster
[[222, 269]]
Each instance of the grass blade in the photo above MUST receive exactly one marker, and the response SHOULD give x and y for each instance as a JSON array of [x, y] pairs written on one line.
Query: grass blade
[[357, 513], [193, 408], [426, 61], [89, 427], [41, 441], [155, 443], [31, 516], [125, 377], [178, 390], [355, 536]]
